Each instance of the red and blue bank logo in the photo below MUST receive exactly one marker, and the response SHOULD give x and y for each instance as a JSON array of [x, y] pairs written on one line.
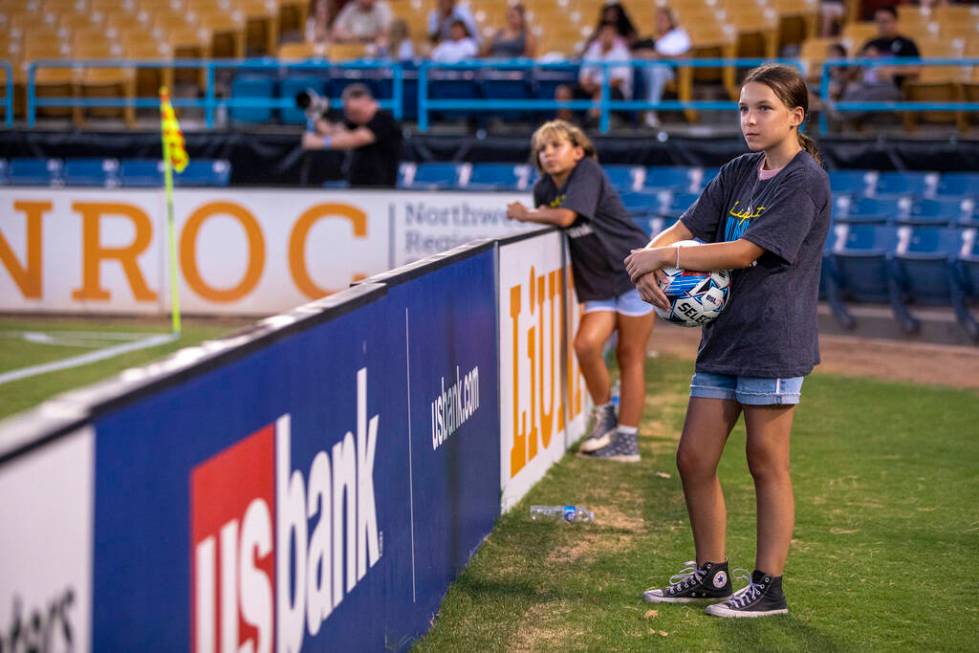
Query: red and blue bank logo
[[275, 549]]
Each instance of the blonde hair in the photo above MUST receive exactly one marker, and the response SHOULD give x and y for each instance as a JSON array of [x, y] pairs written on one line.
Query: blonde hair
[[559, 129]]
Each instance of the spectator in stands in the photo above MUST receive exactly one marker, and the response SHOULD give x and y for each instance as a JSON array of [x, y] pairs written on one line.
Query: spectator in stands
[[370, 134], [441, 18], [831, 14], [608, 47], [363, 21], [671, 41], [881, 83], [318, 22], [458, 47], [514, 39], [615, 13], [398, 45], [839, 76]]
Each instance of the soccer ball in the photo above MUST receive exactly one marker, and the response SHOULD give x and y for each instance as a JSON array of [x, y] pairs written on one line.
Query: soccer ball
[[696, 298]]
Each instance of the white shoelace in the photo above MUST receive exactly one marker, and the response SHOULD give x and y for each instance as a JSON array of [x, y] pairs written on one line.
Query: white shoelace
[[746, 594], [689, 576]]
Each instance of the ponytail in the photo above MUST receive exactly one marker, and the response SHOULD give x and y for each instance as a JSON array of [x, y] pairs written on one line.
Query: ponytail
[[809, 146]]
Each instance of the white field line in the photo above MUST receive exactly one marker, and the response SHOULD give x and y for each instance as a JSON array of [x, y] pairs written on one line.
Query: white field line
[[85, 359]]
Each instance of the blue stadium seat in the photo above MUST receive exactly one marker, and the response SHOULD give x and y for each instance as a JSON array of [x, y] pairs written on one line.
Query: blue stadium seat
[[91, 172], [34, 172], [204, 172], [936, 211], [655, 225], [625, 178], [916, 184], [429, 176], [252, 87], [502, 176], [290, 87], [955, 184], [706, 176], [852, 182], [3, 172], [680, 202], [141, 173], [507, 84], [870, 209], [641, 202], [924, 270], [967, 262], [672, 178], [546, 80]]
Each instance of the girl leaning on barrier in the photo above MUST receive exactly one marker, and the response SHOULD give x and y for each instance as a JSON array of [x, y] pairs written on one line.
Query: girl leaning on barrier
[[576, 195], [765, 216]]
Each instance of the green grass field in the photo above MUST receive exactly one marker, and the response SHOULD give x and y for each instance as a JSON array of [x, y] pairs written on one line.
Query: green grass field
[[16, 352], [883, 558]]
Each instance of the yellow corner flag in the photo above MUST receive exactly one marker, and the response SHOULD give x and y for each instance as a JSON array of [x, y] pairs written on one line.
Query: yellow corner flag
[[173, 139], [174, 158]]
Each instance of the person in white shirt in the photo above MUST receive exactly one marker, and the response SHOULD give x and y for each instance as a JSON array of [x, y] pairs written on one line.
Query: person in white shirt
[[458, 47], [672, 41], [363, 21], [441, 18], [608, 47]]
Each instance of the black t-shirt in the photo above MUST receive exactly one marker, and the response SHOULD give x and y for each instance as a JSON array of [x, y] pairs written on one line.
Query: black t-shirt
[[376, 164], [769, 326], [602, 235], [898, 46]]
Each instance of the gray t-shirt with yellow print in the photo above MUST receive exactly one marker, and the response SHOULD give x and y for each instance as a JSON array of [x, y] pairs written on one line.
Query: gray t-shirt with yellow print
[[769, 327]]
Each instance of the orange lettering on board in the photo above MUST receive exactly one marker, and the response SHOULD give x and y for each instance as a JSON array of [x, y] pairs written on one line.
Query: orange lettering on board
[[27, 276], [94, 253], [518, 451], [297, 242], [188, 252]]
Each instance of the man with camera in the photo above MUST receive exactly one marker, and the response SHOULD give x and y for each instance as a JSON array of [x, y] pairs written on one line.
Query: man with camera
[[370, 134]]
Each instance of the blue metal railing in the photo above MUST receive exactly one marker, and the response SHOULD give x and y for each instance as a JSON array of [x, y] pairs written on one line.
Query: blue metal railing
[[895, 106], [8, 111], [605, 105], [210, 102]]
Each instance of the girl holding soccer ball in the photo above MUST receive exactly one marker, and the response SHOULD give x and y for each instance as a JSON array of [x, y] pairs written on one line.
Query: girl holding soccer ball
[[765, 217], [574, 194]]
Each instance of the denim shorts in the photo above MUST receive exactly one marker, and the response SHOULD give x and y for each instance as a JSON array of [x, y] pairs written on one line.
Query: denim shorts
[[747, 390], [628, 303]]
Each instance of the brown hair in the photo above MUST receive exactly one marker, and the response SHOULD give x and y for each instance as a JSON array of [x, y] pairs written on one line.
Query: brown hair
[[561, 129], [789, 87]]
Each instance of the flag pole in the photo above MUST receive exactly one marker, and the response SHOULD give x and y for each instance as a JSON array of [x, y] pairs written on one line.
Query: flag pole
[[171, 227]]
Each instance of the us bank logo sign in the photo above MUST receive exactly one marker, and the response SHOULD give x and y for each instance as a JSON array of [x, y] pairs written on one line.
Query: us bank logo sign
[[274, 550]]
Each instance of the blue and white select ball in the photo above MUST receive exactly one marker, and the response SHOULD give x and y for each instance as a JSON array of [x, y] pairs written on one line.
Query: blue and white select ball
[[696, 298]]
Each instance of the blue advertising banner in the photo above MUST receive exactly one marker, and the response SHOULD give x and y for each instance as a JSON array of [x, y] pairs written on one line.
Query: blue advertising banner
[[317, 492]]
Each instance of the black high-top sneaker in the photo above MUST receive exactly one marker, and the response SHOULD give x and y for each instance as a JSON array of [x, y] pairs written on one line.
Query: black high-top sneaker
[[763, 597], [603, 427], [708, 583]]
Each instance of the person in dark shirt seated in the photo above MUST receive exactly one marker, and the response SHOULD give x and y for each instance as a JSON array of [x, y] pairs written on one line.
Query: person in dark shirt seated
[[371, 135], [514, 40]]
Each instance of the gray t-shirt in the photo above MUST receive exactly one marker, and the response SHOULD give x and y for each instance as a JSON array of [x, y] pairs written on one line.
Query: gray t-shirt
[[769, 327], [603, 233]]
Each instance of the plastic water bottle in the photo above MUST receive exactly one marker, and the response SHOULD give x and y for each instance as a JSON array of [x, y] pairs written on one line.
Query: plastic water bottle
[[561, 513], [616, 390]]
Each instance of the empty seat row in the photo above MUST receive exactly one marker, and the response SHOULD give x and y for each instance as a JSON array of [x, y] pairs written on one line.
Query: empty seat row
[[871, 183], [903, 266], [131, 173], [949, 211]]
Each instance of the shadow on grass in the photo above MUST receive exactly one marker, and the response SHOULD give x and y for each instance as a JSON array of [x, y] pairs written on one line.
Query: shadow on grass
[[782, 633]]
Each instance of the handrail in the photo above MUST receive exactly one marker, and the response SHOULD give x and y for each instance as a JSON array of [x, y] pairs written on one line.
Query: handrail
[[606, 104], [8, 71], [210, 102], [893, 106]]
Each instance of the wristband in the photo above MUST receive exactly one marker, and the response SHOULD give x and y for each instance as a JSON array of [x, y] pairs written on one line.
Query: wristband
[[327, 140]]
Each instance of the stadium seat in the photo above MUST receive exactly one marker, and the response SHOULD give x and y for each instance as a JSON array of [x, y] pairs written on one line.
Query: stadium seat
[[290, 87], [861, 263], [641, 202], [871, 209], [141, 173], [546, 80], [502, 176], [504, 84], [967, 263], [91, 172], [938, 211], [853, 182], [706, 176], [453, 85], [204, 172], [3, 172], [924, 270], [958, 183], [625, 178], [917, 184], [680, 202], [655, 225], [671, 178], [252, 87], [34, 172], [429, 176]]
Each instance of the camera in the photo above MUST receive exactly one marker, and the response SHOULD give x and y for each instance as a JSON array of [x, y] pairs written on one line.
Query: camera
[[315, 105]]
